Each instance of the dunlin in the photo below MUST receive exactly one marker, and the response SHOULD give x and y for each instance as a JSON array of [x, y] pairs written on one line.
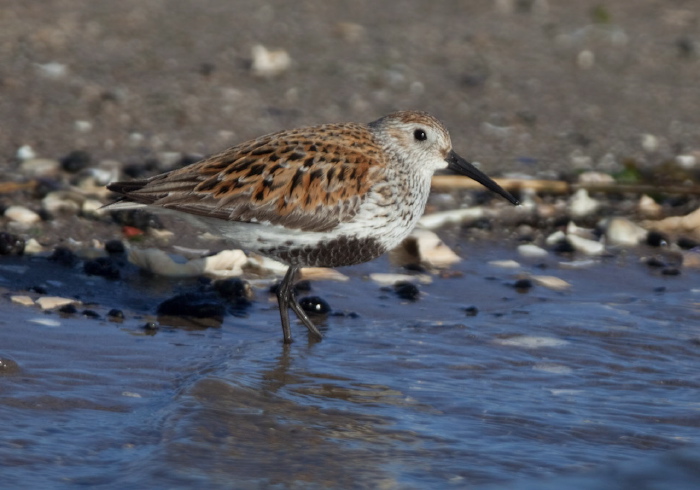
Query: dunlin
[[322, 196]]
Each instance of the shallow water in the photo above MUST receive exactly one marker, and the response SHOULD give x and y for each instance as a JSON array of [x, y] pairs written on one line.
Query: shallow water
[[542, 386]]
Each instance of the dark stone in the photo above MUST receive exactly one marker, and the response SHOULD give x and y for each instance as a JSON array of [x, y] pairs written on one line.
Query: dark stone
[[563, 247], [115, 314], [44, 215], [11, 244], [9, 367], [315, 305], [137, 218], [68, 309], [102, 266], [76, 161], [671, 271], [237, 292], [192, 305], [656, 239], [38, 289], [655, 262], [115, 247], [150, 326], [64, 256], [687, 243], [660, 289], [522, 285], [471, 310], [140, 170], [90, 314], [407, 290]]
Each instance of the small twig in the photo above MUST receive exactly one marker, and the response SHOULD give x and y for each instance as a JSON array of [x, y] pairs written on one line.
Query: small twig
[[456, 182]]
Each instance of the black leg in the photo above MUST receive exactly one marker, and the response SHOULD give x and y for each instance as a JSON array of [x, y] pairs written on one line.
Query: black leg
[[286, 299], [286, 286]]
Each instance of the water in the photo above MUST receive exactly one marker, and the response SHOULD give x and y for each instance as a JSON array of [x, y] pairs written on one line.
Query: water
[[586, 388]]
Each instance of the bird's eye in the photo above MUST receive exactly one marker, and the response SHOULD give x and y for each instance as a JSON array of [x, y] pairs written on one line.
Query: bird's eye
[[420, 135]]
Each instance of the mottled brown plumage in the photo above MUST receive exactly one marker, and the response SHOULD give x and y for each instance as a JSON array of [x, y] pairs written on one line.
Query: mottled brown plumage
[[330, 195]]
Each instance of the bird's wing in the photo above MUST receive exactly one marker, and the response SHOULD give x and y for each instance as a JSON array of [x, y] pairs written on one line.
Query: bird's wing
[[308, 179]]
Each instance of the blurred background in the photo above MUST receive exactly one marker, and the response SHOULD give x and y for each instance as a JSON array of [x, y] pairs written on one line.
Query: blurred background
[[528, 86]]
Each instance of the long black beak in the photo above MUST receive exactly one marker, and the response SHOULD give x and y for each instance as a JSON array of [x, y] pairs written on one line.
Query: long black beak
[[461, 166]]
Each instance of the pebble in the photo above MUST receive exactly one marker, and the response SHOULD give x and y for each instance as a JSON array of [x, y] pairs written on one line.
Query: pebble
[[192, 305], [505, 264], [115, 314], [531, 342], [39, 167], [91, 314], [578, 264], [25, 152], [23, 215], [687, 244], [76, 161], [322, 274], [407, 290], [269, 63], [11, 244], [455, 216], [22, 300], [648, 206], [59, 202], [46, 322], [64, 256], [650, 143], [32, 247], [69, 309], [53, 69], [424, 248], [522, 285], [9, 367], [586, 246], [91, 207], [82, 126], [51, 302], [115, 247], [471, 311], [103, 267], [656, 239], [315, 305], [686, 161], [532, 251], [581, 204], [621, 231], [226, 263], [235, 291], [387, 279], [551, 282], [555, 238], [688, 224], [592, 177], [585, 59]]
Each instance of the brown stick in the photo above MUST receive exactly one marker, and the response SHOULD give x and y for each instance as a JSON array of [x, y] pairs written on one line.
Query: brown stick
[[456, 182]]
